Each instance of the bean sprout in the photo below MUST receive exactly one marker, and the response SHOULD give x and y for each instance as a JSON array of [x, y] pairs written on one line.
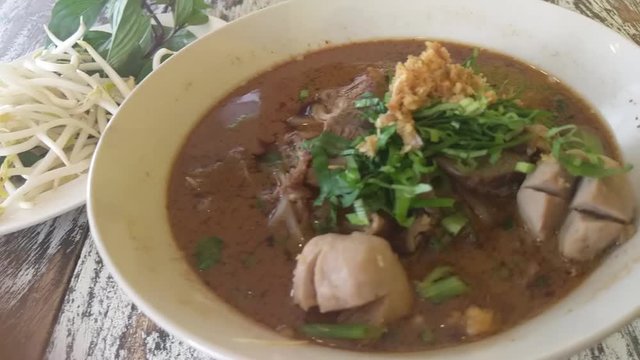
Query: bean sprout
[[54, 105]]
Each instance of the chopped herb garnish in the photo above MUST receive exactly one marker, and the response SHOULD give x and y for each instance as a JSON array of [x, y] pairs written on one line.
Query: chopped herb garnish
[[343, 331], [433, 203], [427, 336], [525, 167], [580, 153], [472, 60], [382, 176], [441, 285], [208, 252], [359, 216], [303, 95], [454, 223], [388, 182]]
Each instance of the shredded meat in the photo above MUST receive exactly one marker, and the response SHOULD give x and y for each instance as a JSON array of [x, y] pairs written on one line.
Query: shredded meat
[[422, 79], [335, 107]]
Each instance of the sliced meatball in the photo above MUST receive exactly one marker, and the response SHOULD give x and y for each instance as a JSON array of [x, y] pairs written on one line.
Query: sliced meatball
[[583, 236], [611, 197], [551, 178], [540, 212], [339, 272]]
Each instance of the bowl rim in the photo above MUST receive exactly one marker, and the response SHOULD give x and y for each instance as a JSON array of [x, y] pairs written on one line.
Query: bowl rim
[[178, 330]]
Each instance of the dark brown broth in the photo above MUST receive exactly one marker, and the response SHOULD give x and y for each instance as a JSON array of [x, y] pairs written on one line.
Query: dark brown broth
[[255, 273]]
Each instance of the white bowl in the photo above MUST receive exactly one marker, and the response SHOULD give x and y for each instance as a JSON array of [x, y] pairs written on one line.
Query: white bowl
[[130, 172]]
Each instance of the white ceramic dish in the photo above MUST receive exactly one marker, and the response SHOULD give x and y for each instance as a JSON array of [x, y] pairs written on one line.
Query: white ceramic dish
[[128, 179], [74, 193]]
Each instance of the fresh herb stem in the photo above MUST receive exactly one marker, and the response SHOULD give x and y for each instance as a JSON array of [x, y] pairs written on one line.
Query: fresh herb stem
[[441, 285], [343, 331], [525, 167], [454, 223]]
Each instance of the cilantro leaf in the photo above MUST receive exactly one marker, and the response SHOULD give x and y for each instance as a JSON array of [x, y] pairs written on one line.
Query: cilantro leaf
[[208, 252]]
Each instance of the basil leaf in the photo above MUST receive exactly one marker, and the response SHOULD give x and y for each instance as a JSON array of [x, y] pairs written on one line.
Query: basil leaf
[[66, 14], [208, 252], [99, 40], [182, 9], [197, 18], [131, 29], [180, 39], [200, 5]]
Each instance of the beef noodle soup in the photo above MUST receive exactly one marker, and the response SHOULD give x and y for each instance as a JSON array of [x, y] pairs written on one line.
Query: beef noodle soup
[[366, 199]]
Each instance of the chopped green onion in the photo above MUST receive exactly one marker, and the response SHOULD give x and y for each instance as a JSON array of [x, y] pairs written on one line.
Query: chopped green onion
[[454, 223], [525, 167], [369, 100], [433, 203], [343, 331], [471, 61], [359, 216], [440, 285], [439, 273], [303, 95]]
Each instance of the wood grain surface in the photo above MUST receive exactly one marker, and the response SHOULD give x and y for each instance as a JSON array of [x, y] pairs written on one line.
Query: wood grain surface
[[57, 300]]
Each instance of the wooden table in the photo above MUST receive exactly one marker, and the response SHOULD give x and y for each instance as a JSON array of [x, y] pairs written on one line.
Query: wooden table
[[57, 300]]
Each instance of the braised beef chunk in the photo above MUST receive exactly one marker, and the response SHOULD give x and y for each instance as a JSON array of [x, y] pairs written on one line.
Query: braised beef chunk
[[498, 179], [335, 107], [409, 232]]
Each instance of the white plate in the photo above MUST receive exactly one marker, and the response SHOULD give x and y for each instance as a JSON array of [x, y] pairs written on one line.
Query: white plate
[[129, 176], [74, 193]]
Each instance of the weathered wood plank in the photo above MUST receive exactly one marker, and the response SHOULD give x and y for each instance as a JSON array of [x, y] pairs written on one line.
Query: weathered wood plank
[[36, 264], [98, 322], [21, 29]]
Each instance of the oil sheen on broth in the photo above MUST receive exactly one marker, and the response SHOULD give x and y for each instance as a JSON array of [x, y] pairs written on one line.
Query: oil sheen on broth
[[223, 184]]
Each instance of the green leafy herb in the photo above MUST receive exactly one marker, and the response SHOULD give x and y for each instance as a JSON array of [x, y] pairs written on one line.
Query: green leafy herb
[[66, 14], [389, 182], [343, 331], [99, 40], [136, 31], [433, 203], [208, 252], [303, 95], [580, 153], [472, 61], [454, 223], [359, 216], [525, 167], [441, 285]]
